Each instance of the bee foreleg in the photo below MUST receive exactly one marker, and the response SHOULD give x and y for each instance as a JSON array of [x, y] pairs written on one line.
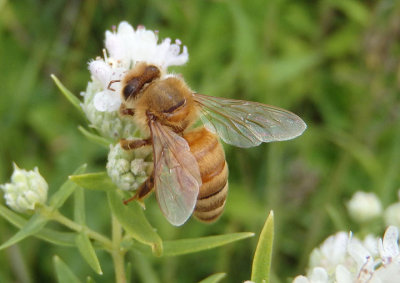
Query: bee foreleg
[[133, 144], [144, 189]]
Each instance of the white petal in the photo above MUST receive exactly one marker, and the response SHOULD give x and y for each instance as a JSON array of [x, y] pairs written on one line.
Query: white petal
[[343, 275], [358, 252], [319, 275], [107, 101], [388, 247], [101, 71], [301, 279]]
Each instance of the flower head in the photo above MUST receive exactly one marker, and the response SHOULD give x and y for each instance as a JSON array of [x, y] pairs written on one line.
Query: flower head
[[360, 262], [129, 169], [26, 190], [364, 206], [125, 47]]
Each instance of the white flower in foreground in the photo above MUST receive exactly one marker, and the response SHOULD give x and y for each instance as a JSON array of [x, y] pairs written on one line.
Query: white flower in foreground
[[360, 263], [125, 47], [26, 190], [318, 275], [129, 169], [364, 206]]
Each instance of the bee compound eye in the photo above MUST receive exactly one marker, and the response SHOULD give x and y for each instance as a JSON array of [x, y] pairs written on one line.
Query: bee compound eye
[[131, 88]]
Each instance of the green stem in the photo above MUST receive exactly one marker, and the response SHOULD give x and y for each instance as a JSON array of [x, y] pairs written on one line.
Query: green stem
[[118, 253], [57, 216]]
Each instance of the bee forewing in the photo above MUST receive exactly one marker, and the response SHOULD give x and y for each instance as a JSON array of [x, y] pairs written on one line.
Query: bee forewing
[[246, 124], [177, 175]]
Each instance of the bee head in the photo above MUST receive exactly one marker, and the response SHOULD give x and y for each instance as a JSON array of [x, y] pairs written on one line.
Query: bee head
[[137, 78]]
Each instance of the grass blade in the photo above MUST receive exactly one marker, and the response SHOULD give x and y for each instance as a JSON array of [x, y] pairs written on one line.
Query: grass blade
[[262, 257]]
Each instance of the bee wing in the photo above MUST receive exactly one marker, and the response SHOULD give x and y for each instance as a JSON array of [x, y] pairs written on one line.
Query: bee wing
[[246, 124], [177, 175]]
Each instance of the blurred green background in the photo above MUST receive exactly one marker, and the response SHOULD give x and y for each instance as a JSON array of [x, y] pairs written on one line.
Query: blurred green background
[[335, 63]]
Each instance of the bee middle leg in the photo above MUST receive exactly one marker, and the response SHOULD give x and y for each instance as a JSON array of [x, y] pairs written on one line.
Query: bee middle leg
[[133, 144], [144, 190]]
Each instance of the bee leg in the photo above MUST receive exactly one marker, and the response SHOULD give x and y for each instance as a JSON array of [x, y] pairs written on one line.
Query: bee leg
[[144, 190], [133, 144], [124, 111], [111, 82]]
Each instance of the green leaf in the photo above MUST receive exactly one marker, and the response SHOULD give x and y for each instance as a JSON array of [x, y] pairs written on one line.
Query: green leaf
[[59, 197], [33, 226], [132, 218], [87, 251], [51, 236], [79, 206], [68, 94], [262, 257], [94, 181], [187, 246], [214, 278], [144, 269], [95, 138], [90, 280], [64, 274]]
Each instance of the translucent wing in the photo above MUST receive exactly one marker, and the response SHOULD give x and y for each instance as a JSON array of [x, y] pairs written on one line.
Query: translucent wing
[[246, 124], [176, 174]]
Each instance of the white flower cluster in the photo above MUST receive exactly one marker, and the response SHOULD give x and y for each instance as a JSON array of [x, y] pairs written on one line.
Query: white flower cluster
[[129, 169], [26, 190], [345, 259], [364, 207]]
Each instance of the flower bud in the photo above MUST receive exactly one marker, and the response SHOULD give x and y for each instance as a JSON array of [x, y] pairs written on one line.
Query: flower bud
[[129, 169], [364, 206], [26, 190]]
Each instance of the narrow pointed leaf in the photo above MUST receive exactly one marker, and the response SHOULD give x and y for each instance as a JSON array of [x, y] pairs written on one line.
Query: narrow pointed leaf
[[87, 251], [79, 206], [91, 280], [262, 258], [132, 219], [94, 181], [95, 138], [64, 274], [49, 235], [59, 197], [214, 278], [33, 226], [68, 94], [187, 246]]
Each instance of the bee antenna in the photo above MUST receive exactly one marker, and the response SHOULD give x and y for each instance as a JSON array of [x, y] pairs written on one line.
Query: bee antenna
[[111, 82]]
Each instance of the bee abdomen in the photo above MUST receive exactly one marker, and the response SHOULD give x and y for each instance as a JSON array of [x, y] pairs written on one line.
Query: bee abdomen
[[210, 157]]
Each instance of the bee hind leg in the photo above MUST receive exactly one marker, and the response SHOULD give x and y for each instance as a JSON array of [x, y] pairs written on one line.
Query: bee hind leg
[[133, 144], [144, 190]]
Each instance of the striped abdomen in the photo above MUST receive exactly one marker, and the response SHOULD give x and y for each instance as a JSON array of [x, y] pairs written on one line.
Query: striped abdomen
[[210, 156]]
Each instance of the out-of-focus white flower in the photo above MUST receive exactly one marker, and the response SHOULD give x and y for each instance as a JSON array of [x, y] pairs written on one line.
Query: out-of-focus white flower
[[362, 263], [129, 169], [392, 214], [127, 47], [26, 190], [364, 206]]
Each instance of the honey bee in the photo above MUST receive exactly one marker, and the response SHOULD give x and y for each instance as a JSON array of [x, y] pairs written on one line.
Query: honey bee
[[190, 174]]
